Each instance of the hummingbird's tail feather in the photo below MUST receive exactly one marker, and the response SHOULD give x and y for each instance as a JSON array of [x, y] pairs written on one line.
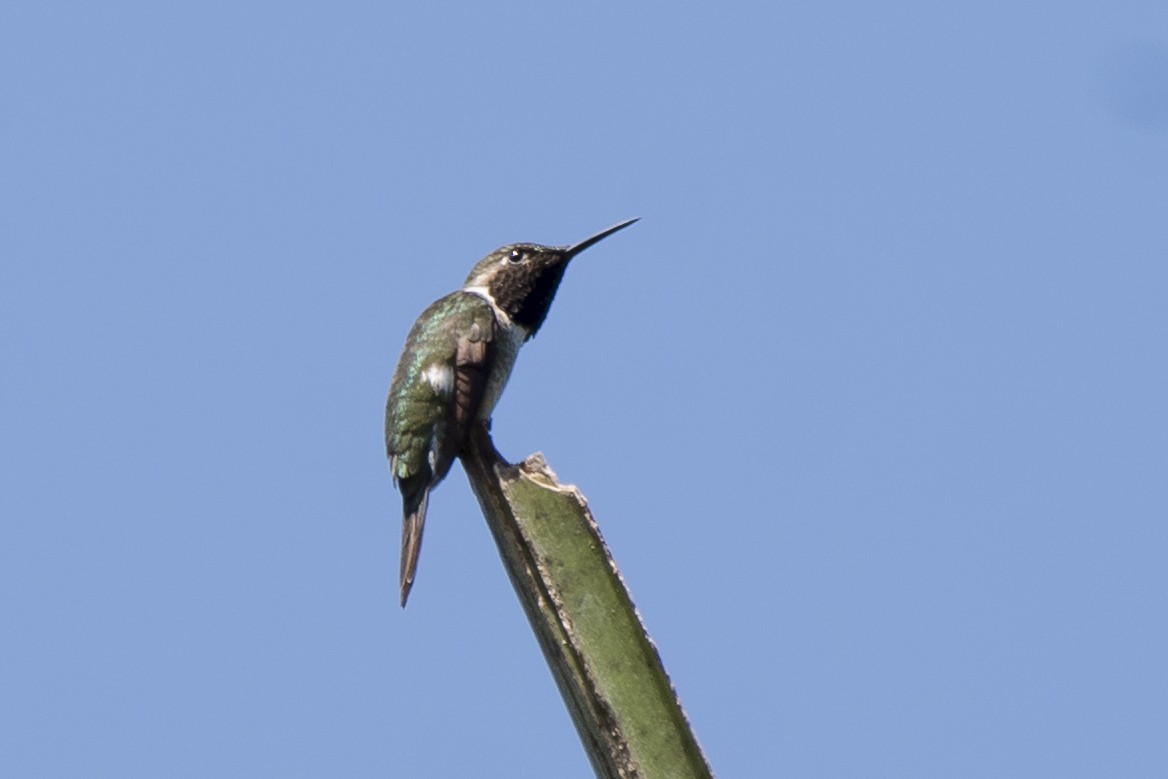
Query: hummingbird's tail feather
[[413, 520]]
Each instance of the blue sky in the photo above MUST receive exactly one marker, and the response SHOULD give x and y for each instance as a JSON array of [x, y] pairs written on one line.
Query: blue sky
[[870, 405]]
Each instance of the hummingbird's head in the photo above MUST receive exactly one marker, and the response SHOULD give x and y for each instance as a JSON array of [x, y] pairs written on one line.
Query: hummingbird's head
[[522, 278]]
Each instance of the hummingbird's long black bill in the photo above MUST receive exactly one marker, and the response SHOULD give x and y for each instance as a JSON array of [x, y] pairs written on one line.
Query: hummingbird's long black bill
[[572, 251]]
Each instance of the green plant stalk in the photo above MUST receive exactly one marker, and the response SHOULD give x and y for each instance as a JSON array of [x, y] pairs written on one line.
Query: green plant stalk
[[607, 669]]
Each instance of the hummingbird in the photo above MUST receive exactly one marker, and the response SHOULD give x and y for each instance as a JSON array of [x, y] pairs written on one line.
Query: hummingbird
[[455, 363]]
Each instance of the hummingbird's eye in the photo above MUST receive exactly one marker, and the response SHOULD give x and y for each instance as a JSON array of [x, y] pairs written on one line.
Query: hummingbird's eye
[[515, 256]]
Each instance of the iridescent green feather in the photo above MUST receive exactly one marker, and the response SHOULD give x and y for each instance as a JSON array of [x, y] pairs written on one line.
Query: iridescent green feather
[[419, 417]]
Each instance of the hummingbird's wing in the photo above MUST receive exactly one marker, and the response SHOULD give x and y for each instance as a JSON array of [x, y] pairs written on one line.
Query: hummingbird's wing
[[435, 396]]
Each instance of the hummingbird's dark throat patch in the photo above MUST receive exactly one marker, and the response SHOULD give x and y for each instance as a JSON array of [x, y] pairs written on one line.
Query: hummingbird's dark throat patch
[[525, 291]]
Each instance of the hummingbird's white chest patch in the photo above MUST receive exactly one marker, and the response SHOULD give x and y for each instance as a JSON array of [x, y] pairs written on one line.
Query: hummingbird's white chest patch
[[508, 338]]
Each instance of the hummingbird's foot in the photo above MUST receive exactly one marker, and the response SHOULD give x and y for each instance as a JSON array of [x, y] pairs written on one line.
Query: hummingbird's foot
[[480, 440]]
